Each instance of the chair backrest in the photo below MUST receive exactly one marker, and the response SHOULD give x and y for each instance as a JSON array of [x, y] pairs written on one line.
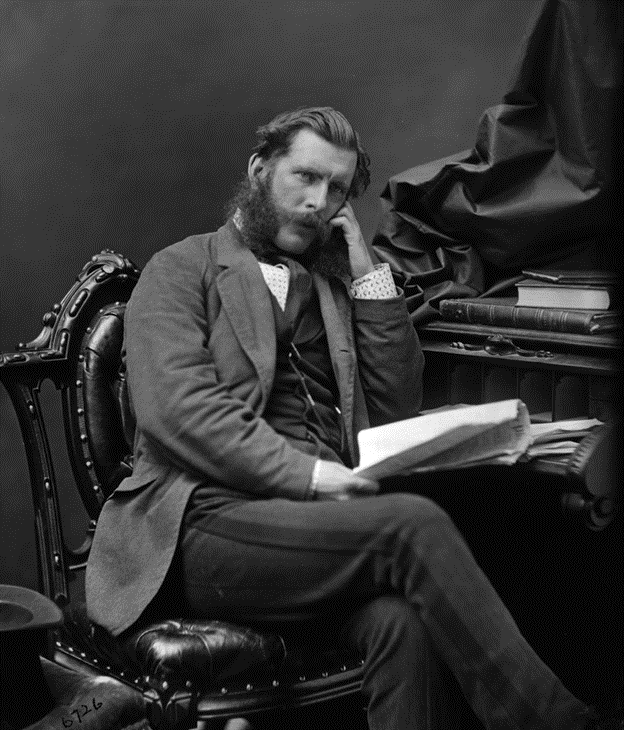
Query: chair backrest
[[100, 427], [80, 350]]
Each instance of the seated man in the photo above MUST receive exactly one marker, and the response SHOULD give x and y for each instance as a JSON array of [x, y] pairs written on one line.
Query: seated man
[[254, 355]]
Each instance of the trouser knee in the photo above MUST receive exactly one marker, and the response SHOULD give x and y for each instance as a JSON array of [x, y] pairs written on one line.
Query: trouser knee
[[414, 514], [418, 535], [389, 629]]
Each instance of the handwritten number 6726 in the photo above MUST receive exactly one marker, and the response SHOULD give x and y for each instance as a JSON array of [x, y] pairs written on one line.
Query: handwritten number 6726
[[68, 722]]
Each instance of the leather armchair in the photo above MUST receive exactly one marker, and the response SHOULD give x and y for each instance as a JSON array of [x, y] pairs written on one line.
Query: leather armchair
[[176, 671]]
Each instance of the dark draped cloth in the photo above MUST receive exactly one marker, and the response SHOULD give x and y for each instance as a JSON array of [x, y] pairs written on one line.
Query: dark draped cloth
[[541, 187]]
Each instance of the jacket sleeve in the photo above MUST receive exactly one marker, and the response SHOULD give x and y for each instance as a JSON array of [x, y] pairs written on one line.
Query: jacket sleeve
[[180, 405], [390, 359]]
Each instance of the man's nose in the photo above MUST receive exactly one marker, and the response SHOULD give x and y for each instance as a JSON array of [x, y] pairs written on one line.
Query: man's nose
[[316, 199]]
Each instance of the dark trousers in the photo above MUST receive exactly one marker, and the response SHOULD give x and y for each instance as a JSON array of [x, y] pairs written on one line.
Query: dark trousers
[[393, 565]]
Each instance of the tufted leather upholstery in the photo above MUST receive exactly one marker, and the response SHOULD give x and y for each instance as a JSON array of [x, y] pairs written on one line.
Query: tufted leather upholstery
[[206, 653], [108, 417]]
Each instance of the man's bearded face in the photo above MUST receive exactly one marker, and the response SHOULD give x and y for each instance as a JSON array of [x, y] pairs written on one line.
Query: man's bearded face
[[292, 198], [262, 217], [309, 184]]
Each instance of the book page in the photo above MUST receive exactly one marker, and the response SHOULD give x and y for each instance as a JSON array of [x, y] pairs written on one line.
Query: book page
[[551, 449], [484, 431], [502, 444], [541, 432]]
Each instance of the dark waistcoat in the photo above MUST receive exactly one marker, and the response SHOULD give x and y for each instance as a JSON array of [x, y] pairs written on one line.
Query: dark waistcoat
[[302, 404]]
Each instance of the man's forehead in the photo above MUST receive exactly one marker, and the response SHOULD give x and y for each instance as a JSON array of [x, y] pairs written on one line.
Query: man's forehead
[[311, 149]]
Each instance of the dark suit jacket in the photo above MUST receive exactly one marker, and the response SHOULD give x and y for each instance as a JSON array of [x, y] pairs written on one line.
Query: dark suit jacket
[[200, 352]]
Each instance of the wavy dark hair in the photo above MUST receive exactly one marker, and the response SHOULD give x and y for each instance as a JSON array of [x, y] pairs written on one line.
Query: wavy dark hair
[[276, 136]]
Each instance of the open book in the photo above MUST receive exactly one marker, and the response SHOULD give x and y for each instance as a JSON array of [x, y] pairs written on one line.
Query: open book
[[462, 436], [492, 433]]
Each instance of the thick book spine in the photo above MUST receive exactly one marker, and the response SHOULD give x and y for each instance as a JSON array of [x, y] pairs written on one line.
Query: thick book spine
[[551, 320]]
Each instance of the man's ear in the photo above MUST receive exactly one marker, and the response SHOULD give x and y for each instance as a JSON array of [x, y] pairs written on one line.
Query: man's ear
[[256, 166]]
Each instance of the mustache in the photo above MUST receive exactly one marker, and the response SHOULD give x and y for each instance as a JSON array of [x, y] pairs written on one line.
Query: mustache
[[311, 220]]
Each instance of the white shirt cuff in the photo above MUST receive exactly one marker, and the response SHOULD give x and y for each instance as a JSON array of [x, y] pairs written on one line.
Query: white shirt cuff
[[377, 284]]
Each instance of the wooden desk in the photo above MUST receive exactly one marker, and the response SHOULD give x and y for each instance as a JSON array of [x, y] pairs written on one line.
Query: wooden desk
[[578, 377], [561, 581]]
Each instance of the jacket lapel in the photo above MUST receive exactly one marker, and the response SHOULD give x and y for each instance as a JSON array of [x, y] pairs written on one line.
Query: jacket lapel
[[337, 317], [247, 303]]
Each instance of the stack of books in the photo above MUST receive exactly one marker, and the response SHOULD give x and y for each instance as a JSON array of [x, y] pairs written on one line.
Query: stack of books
[[575, 302]]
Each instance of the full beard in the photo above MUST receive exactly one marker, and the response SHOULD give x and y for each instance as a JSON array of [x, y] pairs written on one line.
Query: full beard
[[260, 221]]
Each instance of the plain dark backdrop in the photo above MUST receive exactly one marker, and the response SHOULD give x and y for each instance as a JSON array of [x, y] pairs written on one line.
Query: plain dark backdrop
[[126, 125]]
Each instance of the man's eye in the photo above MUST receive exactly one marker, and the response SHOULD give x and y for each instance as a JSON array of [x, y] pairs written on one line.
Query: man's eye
[[336, 189], [307, 176]]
